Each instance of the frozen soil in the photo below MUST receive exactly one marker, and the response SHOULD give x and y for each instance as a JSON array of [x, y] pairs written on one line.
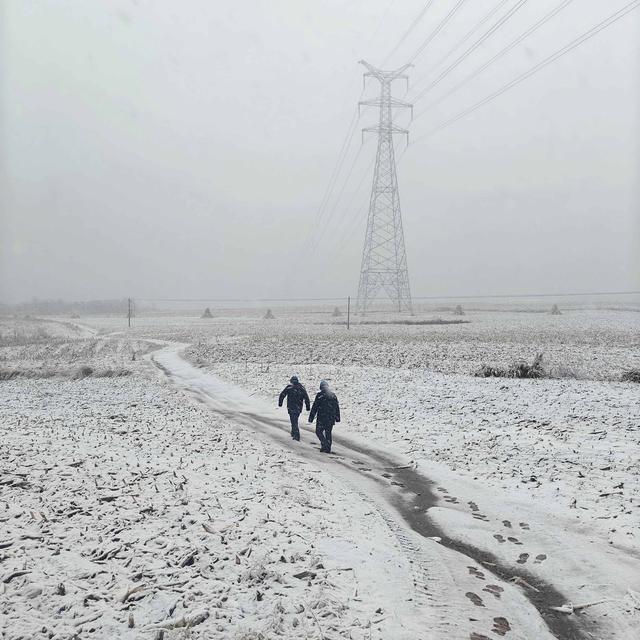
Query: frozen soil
[[125, 508]]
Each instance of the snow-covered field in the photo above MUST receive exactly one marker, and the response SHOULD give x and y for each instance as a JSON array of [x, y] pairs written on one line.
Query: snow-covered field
[[125, 509], [115, 481]]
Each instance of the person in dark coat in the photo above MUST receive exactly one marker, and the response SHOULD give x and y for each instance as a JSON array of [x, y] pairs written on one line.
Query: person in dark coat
[[296, 395], [327, 411]]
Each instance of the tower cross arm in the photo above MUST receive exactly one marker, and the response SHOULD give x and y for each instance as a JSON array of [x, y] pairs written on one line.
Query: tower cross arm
[[383, 75], [376, 102]]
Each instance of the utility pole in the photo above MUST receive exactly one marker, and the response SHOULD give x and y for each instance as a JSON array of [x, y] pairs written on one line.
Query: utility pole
[[384, 261], [129, 312]]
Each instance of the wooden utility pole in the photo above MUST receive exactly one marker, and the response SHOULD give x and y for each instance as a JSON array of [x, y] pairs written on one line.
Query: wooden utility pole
[[349, 312], [129, 312]]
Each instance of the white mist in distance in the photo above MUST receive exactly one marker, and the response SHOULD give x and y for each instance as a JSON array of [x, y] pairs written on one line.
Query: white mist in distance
[[157, 149]]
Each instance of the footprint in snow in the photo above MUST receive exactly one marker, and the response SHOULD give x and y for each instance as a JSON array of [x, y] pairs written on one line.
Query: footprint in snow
[[475, 572], [441, 489], [473, 506], [524, 526], [478, 636], [501, 626], [498, 537], [514, 540], [540, 558], [480, 516], [476, 599], [507, 524], [523, 558], [494, 589]]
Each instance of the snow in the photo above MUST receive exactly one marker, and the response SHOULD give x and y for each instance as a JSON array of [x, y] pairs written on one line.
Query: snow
[[182, 487], [116, 485]]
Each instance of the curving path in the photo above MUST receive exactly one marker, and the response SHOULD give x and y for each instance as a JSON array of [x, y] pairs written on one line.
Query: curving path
[[462, 587]]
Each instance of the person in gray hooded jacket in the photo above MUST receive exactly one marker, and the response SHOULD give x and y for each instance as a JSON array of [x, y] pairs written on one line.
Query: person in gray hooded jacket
[[326, 411]]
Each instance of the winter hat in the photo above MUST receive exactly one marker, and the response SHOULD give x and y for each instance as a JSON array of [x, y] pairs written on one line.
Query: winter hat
[[294, 380], [324, 384]]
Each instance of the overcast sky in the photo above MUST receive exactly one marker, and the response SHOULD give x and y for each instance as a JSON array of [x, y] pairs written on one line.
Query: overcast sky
[[153, 148]]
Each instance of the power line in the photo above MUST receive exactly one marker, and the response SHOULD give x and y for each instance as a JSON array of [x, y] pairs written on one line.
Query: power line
[[488, 16], [337, 200], [541, 65], [498, 55], [443, 23], [338, 165], [346, 236], [532, 295], [381, 20], [348, 206], [472, 48], [572, 294], [204, 300], [411, 27]]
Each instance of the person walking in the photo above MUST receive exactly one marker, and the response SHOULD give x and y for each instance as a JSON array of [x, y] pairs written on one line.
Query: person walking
[[327, 411], [296, 395]]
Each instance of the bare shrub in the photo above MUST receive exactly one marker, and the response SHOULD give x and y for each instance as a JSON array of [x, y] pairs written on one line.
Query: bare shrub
[[633, 375], [520, 369], [83, 372], [112, 373], [77, 374], [30, 374], [458, 311]]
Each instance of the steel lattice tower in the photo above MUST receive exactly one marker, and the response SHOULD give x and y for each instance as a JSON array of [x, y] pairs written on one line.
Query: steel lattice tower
[[384, 260]]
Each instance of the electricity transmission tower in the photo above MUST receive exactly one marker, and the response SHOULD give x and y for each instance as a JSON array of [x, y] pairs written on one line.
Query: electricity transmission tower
[[384, 261]]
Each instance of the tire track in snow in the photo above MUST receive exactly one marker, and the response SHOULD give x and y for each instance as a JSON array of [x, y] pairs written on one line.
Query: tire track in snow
[[436, 570]]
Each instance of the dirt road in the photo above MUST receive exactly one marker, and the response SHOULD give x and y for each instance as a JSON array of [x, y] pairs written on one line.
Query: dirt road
[[469, 591]]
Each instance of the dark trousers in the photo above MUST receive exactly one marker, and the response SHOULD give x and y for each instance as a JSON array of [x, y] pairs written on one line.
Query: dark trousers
[[324, 435], [295, 431]]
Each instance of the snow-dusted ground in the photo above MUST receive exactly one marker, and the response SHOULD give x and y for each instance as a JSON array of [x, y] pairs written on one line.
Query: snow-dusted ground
[[116, 486], [541, 474], [574, 443], [566, 449]]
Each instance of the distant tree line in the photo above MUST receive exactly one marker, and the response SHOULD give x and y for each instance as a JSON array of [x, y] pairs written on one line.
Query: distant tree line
[[65, 307]]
